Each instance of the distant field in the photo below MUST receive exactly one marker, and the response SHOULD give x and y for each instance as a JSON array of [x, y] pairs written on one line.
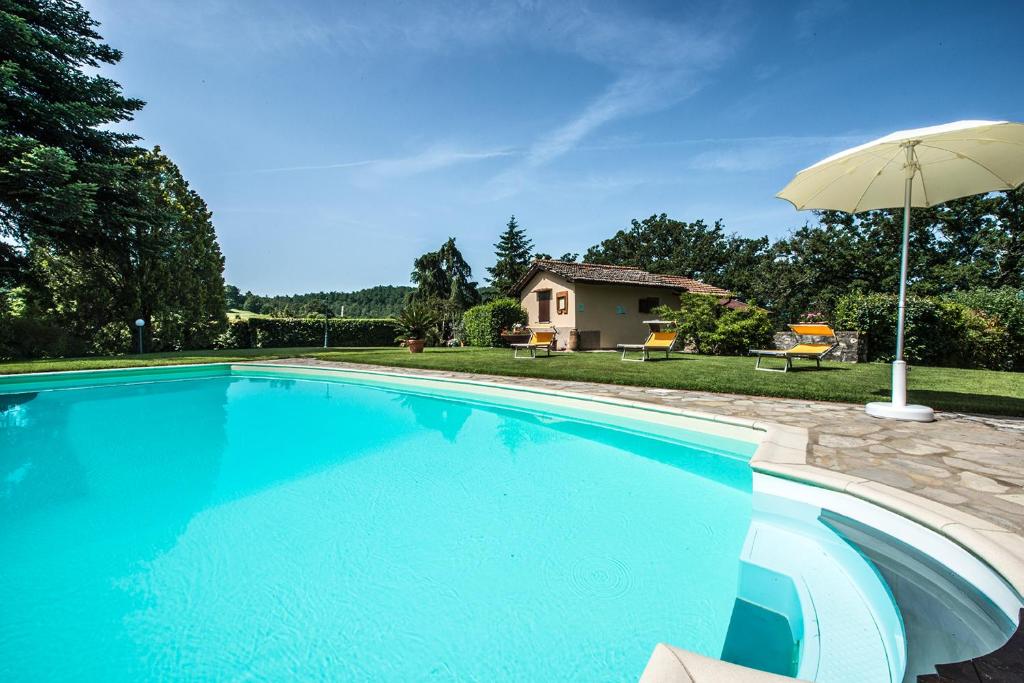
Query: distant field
[[237, 313], [973, 391]]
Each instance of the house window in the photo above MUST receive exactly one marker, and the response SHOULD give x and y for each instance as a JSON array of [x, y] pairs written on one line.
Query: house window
[[649, 303], [562, 303]]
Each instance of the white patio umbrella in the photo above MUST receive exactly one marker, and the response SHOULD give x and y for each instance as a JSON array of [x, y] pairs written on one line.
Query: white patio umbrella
[[920, 167]]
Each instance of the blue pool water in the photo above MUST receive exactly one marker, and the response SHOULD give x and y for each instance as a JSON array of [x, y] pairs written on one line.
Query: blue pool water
[[271, 528]]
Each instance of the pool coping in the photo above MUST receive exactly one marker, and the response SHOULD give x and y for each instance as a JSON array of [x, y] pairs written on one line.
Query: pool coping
[[781, 452]]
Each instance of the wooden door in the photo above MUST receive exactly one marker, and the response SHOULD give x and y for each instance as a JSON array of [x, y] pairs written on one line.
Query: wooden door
[[544, 306]]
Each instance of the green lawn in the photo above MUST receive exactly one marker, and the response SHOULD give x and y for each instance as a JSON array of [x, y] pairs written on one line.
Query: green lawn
[[977, 391]]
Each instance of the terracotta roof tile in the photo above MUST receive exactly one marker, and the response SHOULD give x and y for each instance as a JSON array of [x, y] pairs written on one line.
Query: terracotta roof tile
[[618, 275]]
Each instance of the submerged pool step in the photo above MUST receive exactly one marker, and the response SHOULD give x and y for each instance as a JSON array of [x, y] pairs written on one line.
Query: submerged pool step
[[840, 613], [777, 650]]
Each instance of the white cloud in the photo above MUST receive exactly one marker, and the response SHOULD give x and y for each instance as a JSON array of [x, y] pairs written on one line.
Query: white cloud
[[428, 160], [746, 155], [653, 64]]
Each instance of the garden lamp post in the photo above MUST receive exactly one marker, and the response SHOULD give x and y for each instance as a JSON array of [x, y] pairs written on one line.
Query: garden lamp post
[[140, 323], [920, 167], [327, 313]]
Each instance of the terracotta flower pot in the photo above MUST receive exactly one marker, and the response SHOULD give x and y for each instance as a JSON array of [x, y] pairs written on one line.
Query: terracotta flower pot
[[415, 345]]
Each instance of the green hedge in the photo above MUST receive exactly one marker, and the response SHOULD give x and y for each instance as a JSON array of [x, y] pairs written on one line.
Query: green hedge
[[265, 333], [939, 331], [23, 338], [482, 325]]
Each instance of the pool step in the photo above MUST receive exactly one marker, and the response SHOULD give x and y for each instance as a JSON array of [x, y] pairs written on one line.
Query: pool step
[[840, 612]]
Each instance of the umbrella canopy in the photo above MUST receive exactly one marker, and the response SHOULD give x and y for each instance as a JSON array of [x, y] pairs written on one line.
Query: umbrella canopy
[[920, 167], [952, 160]]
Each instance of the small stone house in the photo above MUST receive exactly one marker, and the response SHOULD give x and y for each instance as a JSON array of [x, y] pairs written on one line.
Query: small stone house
[[596, 307]]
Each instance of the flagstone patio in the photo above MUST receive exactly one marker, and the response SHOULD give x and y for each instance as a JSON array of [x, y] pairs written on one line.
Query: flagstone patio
[[970, 462]]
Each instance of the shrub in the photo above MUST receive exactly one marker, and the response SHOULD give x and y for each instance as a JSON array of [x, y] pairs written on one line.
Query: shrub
[[696, 318], [983, 341], [483, 324], [1006, 306], [737, 331], [238, 335], [712, 328], [939, 331], [282, 332], [113, 339]]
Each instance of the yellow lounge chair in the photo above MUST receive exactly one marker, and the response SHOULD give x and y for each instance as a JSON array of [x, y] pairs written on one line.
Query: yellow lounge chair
[[539, 339], [656, 341], [810, 350]]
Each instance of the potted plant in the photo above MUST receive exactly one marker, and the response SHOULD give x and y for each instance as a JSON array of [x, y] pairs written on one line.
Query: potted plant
[[518, 334], [413, 323]]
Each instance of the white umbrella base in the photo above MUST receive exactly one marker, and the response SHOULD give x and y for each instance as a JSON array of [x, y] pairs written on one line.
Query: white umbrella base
[[892, 411]]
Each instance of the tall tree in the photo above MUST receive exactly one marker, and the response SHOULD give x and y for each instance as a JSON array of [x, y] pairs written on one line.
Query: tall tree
[[513, 251], [1008, 208], [444, 275], [661, 244], [100, 230], [430, 278], [61, 161], [462, 291], [980, 241], [233, 297], [443, 279], [569, 256], [168, 270]]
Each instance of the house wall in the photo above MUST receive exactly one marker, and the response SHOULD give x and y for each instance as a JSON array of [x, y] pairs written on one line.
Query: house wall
[[563, 322], [600, 305]]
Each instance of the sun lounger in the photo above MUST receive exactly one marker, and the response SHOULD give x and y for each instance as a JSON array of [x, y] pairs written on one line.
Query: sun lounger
[[539, 340], [810, 350], [656, 341]]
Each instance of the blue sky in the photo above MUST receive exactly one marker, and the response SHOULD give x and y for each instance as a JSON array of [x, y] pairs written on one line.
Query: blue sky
[[336, 141]]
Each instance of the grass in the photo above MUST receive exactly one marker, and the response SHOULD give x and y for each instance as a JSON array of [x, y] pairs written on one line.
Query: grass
[[973, 391]]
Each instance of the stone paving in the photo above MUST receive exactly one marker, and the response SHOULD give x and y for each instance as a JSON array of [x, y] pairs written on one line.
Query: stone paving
[[970, 462]]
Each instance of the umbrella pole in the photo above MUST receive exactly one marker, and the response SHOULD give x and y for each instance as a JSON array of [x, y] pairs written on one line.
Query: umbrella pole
[[897, 408], [899, 366]]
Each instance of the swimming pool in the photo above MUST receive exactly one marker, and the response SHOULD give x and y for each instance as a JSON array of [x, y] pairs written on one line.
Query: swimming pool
[[225, 522]]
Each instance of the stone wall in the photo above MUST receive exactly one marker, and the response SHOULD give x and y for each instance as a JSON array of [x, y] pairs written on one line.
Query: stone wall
[[847, 351]]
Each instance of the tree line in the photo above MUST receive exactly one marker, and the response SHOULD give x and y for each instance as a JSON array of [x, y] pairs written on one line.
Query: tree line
[[382, 301], [95, 230], [970, 244], [962, 245]]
